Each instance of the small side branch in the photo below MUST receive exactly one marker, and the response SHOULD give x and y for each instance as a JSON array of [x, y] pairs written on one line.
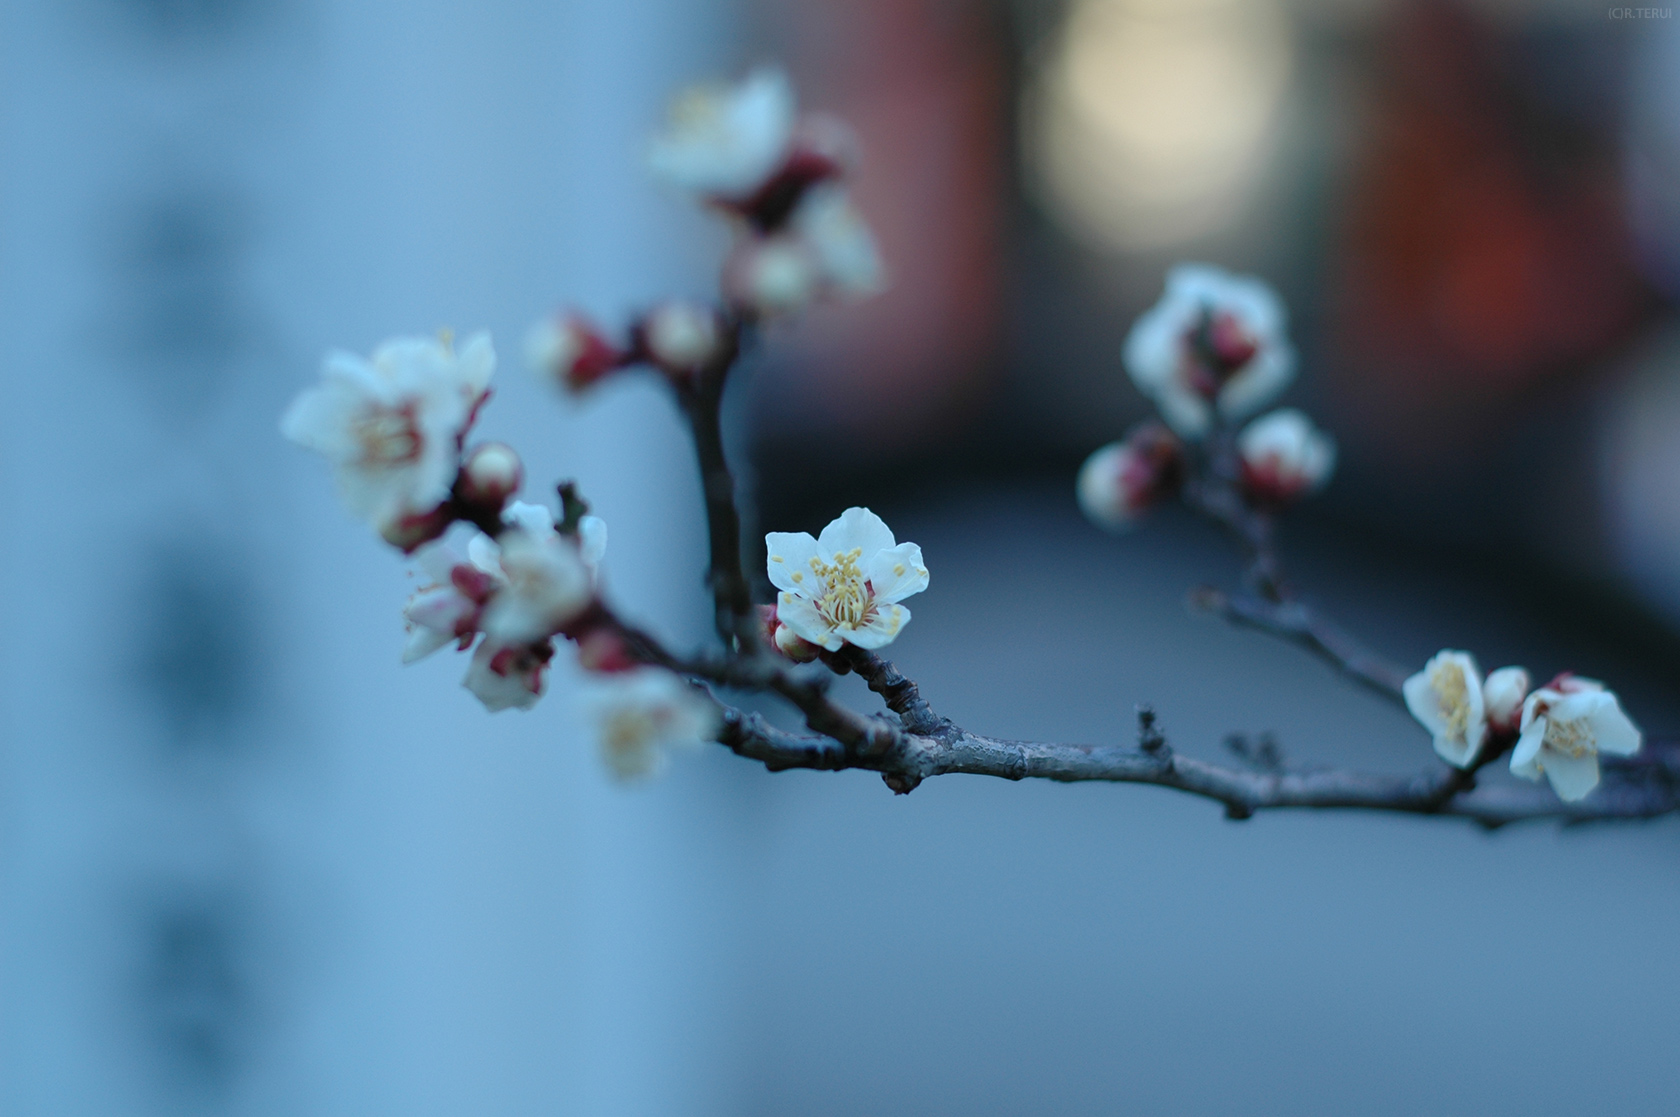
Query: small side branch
[[1300, 624]]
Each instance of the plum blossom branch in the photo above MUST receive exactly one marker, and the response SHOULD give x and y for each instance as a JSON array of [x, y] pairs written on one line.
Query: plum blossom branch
[[1210, 355]]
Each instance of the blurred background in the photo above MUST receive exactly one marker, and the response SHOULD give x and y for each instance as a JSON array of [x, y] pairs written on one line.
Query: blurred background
[[248, 865]]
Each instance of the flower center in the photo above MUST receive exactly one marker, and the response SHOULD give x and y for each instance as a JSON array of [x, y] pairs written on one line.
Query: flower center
[[1572, 738], [388, 436], [1452, 695], [1218, 347], [846, 600]]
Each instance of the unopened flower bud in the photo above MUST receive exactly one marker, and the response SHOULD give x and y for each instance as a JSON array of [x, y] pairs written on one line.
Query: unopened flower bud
[[408, 532], [604, 650], [1121, 480], [772, 275], [681, 336], [491, 473], [1502, 699], [795, 646], [567, 350], [1284, 456]]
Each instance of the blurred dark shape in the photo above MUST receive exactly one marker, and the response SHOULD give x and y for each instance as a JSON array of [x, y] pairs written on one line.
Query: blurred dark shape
[[195, 998], [1486, 254], [184, 315], [923, 85], [197, 644], [189, 19]]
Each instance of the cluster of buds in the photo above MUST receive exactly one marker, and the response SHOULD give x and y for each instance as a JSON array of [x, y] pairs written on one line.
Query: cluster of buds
[[1210, 354], [1557, 731], [779, 177]]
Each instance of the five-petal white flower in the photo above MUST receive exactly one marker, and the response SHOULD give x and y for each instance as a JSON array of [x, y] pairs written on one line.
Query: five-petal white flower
[[844, 587], [726, 141], [1213, 337], [1446, 697], [1564, 727], [392, 424], [647, 713]]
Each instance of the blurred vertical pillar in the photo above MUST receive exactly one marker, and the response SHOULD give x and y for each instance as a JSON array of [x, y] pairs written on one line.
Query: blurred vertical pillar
[[250, 865]]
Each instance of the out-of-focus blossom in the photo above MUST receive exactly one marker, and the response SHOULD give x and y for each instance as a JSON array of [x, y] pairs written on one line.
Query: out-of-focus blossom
[[771, 275], [1446, 697], [727, 141], [847, 261], [566, 350], [1214, 341], [1284, 456], [490, 474], [844, 586], [547, 584], [1565, 725], [681, 336], [392, 424], [1120, 481], [508, 676], [592, 541], [646, 714], [1502, 699]]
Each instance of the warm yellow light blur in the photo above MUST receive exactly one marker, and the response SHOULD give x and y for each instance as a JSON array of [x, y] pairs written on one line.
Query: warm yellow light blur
[[1148, 121]]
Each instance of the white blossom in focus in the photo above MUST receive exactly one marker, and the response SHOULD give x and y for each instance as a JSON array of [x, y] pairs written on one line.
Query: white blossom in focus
[[1502, 698], [844, 586], [508, 676], [1215, 340], [727, 141], [1284, 455], [1446, 697], [646, 713], [392, 424], [1565, 725]]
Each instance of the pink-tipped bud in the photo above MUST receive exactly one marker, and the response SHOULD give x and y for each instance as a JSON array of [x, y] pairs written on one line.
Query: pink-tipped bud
[[795, 646], [1120, 481], [491, 473], [681, 336], [1502, 699], [565, 349], [1284, 456], [417, 528], [771, 275], [604, 650]]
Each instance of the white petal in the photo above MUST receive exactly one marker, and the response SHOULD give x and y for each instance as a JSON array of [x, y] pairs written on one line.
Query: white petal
[[534, 518], [801, 615], [1455, 752], [841, 241], [789, 553], [1613, 730], [896, 573], [882, 629], [1572, 776], [592, 539], [855, 527], [517, 689], [1525, 758], [727, 141], [422, 642]]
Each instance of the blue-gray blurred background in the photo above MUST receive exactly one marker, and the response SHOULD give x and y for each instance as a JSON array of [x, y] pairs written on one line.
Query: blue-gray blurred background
[[248, 865]]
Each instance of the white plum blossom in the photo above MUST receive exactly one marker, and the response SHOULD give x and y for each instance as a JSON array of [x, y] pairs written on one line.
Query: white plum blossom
[[508, 676], [645, 714], [546, 584], [826, 249], [447, 608], [1502, 699], [847, 261], [392, 423], [1446, 697], [1565, 725], [1214, 341], [1283, 455], [844, 587], [727, 141]]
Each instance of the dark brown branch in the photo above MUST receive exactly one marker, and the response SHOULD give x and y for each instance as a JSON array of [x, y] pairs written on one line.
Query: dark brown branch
[[701, 397], [1300, 624]]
